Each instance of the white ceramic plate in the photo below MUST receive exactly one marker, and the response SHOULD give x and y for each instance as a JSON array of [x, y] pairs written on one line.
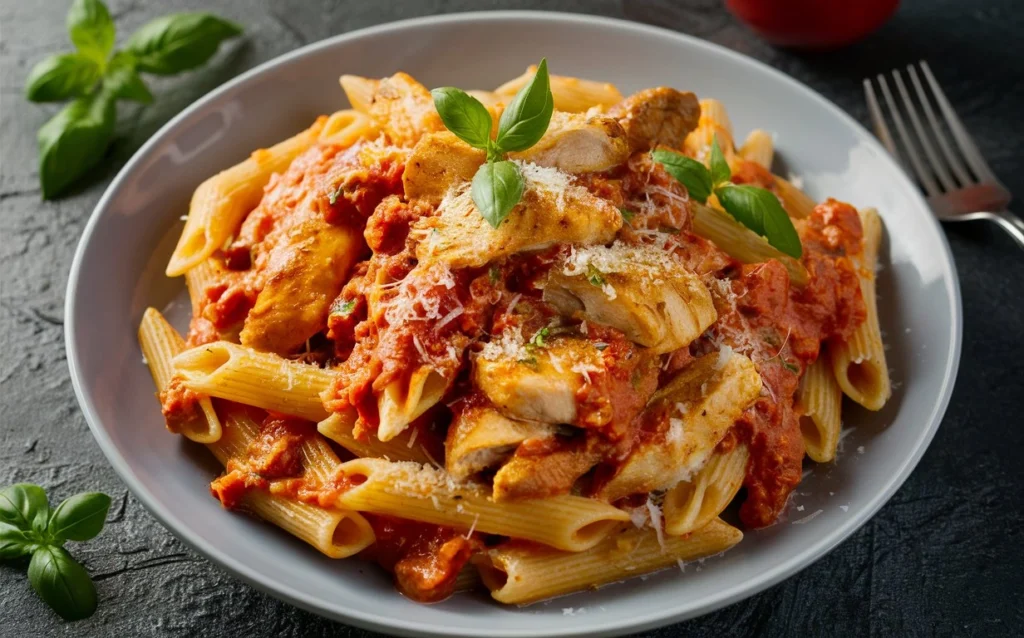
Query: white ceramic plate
[[118, 271]]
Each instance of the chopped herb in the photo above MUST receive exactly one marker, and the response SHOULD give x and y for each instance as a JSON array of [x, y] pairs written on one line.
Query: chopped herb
[[530, 361], [627, 215], [344, 308], [792, 368], [595, 276], [333, 197], [537, 341], [494, 274]]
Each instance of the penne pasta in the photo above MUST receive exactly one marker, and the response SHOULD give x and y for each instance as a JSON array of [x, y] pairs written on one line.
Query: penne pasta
[[346, 127], [859, 363], [421, 493], [221, 202], [741, 243], [573, 95], [692, 505], [758, 148], [335, 532], [821, 404], [338, 428], [520, 575], [198, 279], [359, 91], [796, 202], [236, 373], [159, 343], [400, 404]]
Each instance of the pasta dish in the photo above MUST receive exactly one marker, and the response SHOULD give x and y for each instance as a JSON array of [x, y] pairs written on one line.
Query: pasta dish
[[533, 339]]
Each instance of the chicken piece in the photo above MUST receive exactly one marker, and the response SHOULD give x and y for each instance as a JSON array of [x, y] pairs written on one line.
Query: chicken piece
[[640, 290], [480, 437], [683, 422], [553, 210], [437, 161], [536, 384], [657, 117], [404, 109], [306, 271], [576, 143], [529, 475]]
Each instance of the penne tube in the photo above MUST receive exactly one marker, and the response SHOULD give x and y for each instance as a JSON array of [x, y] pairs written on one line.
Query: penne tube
[[758, 148], [741, 243], [573, 95], [693, 504], [359, 91], [821, 403], [403, 402], [198, 279], [346, 127], [338, 428], [859, 363], [261, 379], [422, 493], [713, 112], [221, 202], [797, 203], [468, 579], [335, 532], [160, 343], [521, 575]]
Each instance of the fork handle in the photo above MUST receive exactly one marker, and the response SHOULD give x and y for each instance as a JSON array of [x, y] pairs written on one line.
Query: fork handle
[[1011, 224]]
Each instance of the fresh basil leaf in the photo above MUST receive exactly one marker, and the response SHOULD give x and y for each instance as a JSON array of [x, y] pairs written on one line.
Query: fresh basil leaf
[[179, 42], [79, 517], [497, 188], [720, 172], [91, 29], [14, 542], [74, 141], [62, 583], [123, 81], [760, 211], [526, 119], [60, 77], [463, 115], [25, 507], [687, 171]]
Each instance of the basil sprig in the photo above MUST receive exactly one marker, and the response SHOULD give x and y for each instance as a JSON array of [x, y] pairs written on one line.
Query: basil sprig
[[756, 208], [498, 185], [96, 76], [28, 527]]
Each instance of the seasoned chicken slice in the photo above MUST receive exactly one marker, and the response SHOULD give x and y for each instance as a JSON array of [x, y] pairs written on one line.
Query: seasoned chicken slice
[[683, 422], [437, 161], [576, 143], [642, 291], [657, 117], [404, 109], [542, 474], [536, 384], [306, 272], [553, 210], [480, 437]]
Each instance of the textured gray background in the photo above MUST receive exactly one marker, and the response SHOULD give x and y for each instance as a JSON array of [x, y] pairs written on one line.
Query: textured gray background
[[942, 558]]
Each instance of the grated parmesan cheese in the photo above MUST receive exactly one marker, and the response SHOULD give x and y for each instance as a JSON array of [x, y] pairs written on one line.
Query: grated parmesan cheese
[[654, 511]]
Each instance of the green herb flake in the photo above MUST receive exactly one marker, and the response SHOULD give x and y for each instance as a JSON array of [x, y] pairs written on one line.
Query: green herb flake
[[344, 308], [537, 341], [494, 274], [529, 361], [595, 276], [791, 367], [627, 215]]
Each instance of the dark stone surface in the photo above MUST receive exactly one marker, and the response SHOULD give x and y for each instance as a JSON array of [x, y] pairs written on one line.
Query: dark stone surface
[[942, 558]]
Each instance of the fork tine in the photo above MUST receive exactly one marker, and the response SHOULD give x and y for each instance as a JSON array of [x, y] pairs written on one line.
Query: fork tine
[[923, 176], [963, 138], [936, 164], [881, 128], [951, 158]]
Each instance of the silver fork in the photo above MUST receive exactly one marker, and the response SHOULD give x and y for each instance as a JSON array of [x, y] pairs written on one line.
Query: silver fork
[[959, 184]]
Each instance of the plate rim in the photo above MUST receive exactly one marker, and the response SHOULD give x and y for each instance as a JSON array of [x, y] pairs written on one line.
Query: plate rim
[[377, 621]]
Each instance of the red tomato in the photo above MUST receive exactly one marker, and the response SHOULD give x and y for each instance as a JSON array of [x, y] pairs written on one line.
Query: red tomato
[[813, 24]]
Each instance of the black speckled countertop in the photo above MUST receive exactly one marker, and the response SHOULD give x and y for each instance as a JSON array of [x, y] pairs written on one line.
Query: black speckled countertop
[[942, 558]]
